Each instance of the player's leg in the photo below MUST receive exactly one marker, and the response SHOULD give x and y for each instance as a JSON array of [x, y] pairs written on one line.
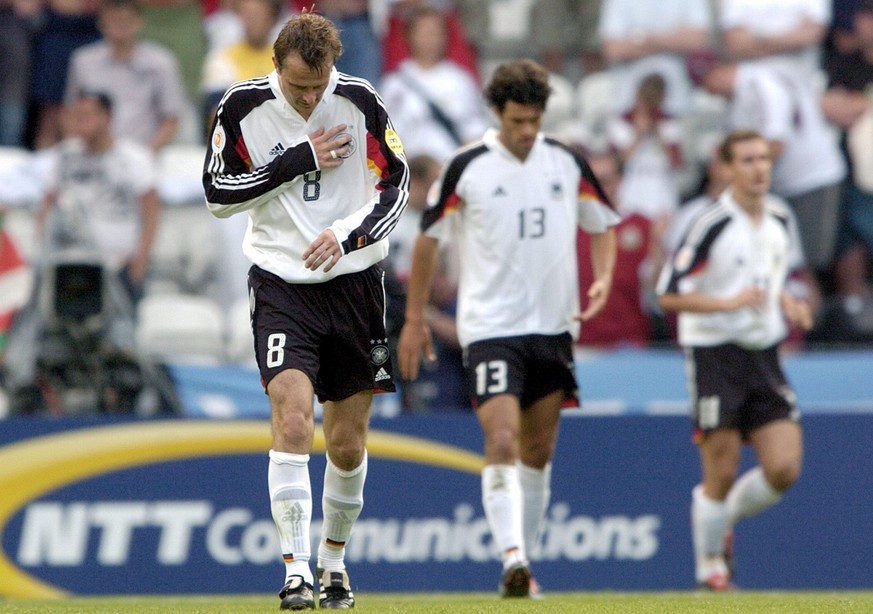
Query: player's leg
[[287, 360], [499, 417], [537, 437], [288, 477], [779, 448], [345, 432], [354, 363], [717, 377], [720, 458]]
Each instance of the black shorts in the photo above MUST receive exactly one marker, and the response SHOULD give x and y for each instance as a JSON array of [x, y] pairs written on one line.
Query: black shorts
[[528, 367], [732, 387], [333, 331]]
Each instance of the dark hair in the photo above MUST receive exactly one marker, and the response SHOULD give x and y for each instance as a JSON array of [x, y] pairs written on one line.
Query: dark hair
[[422, 167], [726, 150], [652, 89], [134, 5], [101, 98], [521, 81], [313, 37]]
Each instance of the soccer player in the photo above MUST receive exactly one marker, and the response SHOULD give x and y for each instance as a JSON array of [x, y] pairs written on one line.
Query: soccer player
[[515, 200], [309, 153], [727, 281]]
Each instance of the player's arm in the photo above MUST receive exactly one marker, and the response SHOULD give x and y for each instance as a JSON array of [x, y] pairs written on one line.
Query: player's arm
[[415, 336], [230, 182], [698, 302], [603, 254], [376, 218], [742, 43]]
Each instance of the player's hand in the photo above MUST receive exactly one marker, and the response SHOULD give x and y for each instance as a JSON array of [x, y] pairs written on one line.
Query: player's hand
[[752, 296], [330, 149], [598, 293], [325, 249], [415, 341], [797, 312]]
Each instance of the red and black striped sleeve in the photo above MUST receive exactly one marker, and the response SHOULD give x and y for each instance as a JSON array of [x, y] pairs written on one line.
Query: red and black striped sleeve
[[230, 183]]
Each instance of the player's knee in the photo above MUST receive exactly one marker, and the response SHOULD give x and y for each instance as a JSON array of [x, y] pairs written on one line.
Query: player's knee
[[783, 476], [538, 454], [501, 445], [346, 455]]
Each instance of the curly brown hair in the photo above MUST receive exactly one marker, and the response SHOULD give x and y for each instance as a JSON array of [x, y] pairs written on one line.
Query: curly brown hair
[[521, 81], [313, 37]]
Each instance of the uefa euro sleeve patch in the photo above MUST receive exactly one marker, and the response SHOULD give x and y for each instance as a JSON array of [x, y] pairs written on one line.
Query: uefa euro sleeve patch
[[218, 139], [393, 141]]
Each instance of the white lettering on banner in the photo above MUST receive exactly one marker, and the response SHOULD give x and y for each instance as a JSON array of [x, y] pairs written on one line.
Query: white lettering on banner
[[58, 534], [55, 535], [177, 520]]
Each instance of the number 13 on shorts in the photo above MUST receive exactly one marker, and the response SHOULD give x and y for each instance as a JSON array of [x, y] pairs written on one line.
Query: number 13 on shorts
[[491, 377]]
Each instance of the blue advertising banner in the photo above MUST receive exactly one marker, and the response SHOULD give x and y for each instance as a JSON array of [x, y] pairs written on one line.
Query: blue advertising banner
[[181, 506]]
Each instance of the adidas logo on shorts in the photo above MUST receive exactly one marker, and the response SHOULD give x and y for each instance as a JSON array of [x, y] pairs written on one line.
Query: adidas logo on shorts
[[382, 374]]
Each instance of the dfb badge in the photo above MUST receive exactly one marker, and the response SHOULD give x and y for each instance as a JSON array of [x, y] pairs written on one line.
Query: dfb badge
[[379, 354]]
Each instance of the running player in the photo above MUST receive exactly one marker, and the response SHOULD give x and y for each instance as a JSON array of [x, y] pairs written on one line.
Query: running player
[[727, 281]]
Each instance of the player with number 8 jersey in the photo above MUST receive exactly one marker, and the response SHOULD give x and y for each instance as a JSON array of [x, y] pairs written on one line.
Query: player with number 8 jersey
[[262, 160], [309, 153]]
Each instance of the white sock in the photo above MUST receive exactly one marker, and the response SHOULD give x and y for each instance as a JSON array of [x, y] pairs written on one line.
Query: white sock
[[708, 527], [751, 494], [341, 505], [291, 504], [501, 498], [535, 492]]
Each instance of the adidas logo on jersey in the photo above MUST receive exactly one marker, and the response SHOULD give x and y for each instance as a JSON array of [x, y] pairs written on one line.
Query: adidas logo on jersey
[[277, 150], [499, 191], [381, 375]]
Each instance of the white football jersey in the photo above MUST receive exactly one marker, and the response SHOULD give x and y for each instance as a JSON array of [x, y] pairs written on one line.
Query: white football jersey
[[261, 161], [724, 252], [516, 225]]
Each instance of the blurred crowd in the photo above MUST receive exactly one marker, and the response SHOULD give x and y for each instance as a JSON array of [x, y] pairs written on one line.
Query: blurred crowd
[[645, 90]]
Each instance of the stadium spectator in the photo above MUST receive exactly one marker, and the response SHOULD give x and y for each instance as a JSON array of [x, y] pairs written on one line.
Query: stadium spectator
[[808, 168], [395, 41], [363, 56], [74, 343], [625, 320], [515, 201], [841, 38], [848, 105], [66, 25], [435, 105], [563, 30], [250, 57], [309, 153], [649, 143], [178, 27], [101, 193], [783, 34], [727, 283], [17, 26], [641, 37], [141, 78]]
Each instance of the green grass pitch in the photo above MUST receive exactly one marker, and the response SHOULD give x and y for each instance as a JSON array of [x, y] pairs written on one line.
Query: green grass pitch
[[433, 603]]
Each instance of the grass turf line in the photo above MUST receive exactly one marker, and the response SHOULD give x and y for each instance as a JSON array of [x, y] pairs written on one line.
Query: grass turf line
[[486, 603]]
